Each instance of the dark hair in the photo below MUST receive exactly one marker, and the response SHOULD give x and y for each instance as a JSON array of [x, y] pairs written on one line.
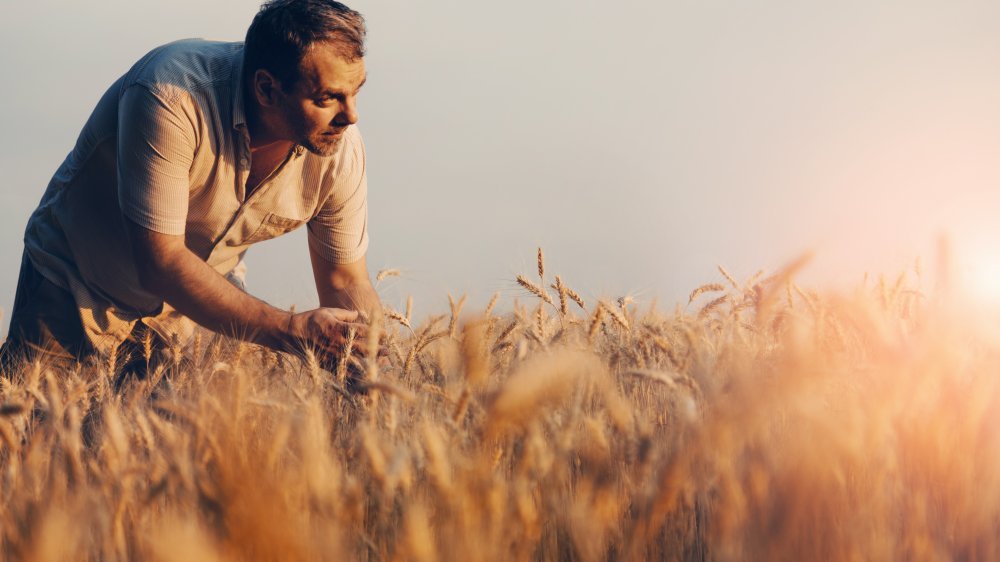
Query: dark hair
[[283, 30]]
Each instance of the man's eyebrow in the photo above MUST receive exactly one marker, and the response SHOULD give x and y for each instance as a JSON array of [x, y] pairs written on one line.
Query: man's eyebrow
[[332, 92]]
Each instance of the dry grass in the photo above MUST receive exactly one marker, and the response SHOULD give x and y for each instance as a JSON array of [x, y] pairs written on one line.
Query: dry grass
[[772, 423]]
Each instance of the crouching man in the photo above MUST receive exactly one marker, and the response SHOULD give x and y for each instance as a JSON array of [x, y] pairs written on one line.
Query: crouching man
[[199, 151]]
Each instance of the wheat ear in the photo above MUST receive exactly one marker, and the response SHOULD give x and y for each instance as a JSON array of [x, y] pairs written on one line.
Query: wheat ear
[[534, 289]]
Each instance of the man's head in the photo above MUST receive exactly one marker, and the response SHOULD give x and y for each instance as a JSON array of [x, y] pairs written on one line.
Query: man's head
[[303, 62]]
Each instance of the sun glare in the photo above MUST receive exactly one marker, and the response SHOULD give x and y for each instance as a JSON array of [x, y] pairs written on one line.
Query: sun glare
[[980, 276]]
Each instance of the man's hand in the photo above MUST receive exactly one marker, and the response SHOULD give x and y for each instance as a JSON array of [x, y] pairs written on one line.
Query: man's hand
[[346, 287], [327, 329]]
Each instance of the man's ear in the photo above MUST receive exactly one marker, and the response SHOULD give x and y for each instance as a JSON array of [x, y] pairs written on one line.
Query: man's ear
[[266, 88]]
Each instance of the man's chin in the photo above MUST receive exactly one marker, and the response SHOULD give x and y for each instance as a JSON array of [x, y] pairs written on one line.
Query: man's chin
[[325, 147]]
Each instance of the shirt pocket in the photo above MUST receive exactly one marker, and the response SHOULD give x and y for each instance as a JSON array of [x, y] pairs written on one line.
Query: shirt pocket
[[271, 227]]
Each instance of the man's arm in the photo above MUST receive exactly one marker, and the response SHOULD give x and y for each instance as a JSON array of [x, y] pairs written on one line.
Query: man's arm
[[345, 286], [168, 269]]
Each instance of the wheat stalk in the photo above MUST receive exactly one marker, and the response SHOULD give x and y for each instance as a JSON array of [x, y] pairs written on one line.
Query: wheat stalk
[[708, 308], [561, 289], [575, 297], [386, 273], [616, 315], [707, 288], [506, 332], [534, 289], [595, 323], [395, 315], [729, 277], [492, 303], [456, 309]]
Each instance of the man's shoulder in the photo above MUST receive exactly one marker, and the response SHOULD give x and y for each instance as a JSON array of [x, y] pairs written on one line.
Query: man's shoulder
[[188, 65]]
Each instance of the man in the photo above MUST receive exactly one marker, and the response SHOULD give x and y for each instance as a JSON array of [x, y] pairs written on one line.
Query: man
[[199, 151]]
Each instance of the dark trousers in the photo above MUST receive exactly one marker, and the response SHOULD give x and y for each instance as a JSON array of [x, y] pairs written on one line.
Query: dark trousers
[[45, 324]]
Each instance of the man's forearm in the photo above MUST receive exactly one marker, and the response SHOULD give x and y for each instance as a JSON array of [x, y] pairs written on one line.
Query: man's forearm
[[344, 285], [199, 292], [359, 295]]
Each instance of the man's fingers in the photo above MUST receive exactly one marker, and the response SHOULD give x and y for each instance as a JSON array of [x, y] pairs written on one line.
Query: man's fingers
[[342, 335], [333, 328], [342, 315]]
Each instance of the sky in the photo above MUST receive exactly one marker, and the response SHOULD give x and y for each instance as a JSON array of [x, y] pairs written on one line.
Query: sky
[[640, 144]]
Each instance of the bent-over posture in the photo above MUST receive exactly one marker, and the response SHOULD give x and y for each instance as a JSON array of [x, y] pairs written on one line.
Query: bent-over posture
[[199, 151]]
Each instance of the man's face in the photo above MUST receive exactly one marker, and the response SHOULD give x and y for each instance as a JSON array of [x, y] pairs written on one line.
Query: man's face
[[323, 102]]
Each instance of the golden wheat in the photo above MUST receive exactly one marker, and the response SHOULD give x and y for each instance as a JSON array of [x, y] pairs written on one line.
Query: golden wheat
[[854, 427], [561, 290], [707, 288], [386, 273], [534, 289], [397, 316]]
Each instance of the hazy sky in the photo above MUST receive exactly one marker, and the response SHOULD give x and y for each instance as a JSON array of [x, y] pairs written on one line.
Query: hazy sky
[[639, 143]]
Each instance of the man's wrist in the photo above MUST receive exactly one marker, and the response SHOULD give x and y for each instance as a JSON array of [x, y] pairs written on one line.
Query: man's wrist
[[284, 338]]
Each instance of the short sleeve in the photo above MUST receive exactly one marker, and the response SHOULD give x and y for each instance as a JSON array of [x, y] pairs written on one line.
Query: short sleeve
[[339, 230], [155, 150]]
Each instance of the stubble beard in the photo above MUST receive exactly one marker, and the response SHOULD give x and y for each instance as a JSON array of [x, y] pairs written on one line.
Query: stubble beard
[[323, 146]]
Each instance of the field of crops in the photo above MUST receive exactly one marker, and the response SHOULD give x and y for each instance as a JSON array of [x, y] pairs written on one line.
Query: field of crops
[[759, 421]]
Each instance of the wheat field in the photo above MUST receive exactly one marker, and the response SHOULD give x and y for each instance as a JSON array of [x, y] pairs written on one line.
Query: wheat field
[[758, 421]]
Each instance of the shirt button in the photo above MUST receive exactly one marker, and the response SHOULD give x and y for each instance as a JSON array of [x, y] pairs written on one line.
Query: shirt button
[[243, 162]]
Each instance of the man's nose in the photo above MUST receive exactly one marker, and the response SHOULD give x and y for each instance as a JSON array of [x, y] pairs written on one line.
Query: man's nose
[[349, 112]]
